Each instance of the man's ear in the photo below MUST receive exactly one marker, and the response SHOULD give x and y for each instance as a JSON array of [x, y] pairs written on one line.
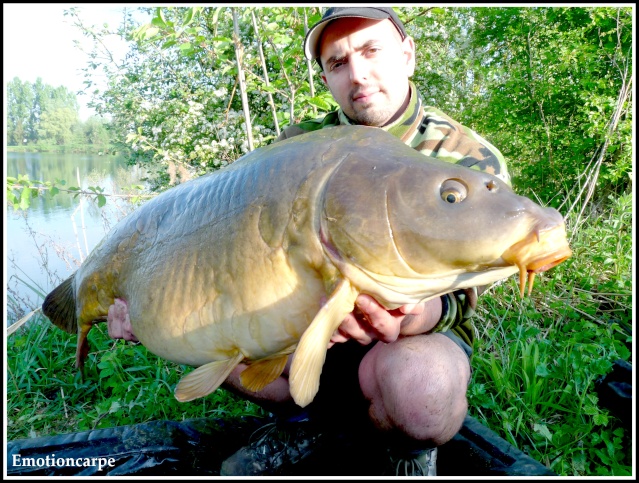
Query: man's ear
[[408, 45], [323, 77]]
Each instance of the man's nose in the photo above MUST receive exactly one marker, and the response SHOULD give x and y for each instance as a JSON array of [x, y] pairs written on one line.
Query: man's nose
[[359, 69]]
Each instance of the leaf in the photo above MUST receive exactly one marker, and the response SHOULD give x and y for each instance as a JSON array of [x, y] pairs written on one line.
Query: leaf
[[115, 406], [25, 199], [541, 370], [189, 16], [101, 201], [151, 32], [591, 410], [104, 373], [319, 102], [160, 15], [11, 197], [216, 15], [158, 21], [543, 430], [600, 419]]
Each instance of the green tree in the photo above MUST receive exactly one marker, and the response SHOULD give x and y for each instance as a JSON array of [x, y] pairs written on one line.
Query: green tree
[[96, 131], [20, 98], [177, 99], [39, 112], [556, 98], [57, 125]]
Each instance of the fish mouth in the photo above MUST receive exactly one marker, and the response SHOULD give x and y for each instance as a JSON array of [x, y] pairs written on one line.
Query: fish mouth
[[541, 250]]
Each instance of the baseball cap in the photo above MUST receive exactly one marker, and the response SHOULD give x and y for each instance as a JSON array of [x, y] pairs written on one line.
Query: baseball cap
[[311, 42]]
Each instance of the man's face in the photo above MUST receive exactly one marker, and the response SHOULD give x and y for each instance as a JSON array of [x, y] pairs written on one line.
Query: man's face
[[366, 68]]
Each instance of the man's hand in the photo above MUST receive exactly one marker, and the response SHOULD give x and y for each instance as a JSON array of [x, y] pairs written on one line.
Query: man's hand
[[119, 323], [370, 321]]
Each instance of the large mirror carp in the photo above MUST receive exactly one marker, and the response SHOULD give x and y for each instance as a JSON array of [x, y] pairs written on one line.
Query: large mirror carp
[[233, 266]]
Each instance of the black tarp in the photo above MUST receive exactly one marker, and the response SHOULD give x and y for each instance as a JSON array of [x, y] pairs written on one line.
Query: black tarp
[[197, 447]]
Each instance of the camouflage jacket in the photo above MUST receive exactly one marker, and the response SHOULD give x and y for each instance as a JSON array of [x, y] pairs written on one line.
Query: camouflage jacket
[[435, 134]]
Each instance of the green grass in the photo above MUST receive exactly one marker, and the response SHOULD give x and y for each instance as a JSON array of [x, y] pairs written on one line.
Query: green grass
[[534, 369], [538, 359], [124, 384]]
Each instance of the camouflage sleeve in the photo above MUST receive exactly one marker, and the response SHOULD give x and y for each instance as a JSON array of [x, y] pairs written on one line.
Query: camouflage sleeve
[[289, 132], [457, 309], [446, 139]]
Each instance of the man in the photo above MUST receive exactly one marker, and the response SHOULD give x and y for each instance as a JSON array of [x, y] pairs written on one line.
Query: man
[[411, 387], [376, 380]]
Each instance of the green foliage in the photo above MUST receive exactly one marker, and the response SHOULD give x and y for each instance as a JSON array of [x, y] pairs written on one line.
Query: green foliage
[[20, 98], [549, 86], [556, 96], [96, 132], [537, 361], [57, 125], [21, 190], [176, 99]]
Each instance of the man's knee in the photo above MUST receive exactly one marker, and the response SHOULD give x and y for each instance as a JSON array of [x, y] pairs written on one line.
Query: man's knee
[[417, 385]]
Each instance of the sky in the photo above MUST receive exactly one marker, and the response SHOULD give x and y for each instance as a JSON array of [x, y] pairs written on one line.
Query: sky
[[38, 42]]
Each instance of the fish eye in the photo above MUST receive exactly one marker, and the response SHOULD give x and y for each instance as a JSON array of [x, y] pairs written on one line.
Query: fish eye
[[453, 191]]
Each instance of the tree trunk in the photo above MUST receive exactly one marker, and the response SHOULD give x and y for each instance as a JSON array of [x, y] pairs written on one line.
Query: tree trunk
[[271, 103], [242, 80]]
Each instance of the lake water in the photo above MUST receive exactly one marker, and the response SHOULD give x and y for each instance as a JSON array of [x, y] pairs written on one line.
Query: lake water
[[46, 243]]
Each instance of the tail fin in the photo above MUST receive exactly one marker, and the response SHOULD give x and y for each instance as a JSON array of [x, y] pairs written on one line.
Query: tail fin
[[59, 306]]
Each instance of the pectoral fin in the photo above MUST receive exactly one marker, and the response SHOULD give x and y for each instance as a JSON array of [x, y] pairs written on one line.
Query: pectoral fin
[[261, 373], [205, 379], [311, 350]]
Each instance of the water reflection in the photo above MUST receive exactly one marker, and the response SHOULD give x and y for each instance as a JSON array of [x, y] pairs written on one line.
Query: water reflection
[[45, 244]]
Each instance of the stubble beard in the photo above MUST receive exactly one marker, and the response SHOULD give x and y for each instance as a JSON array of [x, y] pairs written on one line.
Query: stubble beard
[[369, 115]]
